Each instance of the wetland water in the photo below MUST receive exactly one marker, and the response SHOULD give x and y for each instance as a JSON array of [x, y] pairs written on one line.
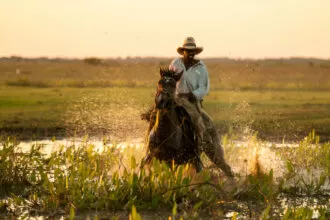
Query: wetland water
[[241, 155]]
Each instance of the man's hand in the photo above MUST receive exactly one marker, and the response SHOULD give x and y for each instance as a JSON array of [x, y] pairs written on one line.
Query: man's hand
[[191, 97], [177, 75]]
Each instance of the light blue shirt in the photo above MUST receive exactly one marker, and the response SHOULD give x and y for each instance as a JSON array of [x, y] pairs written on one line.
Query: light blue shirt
[[195, 79]]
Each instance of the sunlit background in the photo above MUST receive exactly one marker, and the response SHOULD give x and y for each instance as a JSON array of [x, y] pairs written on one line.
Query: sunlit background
[[121, 28]]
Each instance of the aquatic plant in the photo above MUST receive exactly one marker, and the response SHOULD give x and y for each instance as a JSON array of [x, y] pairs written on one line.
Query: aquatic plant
[[81, 177]]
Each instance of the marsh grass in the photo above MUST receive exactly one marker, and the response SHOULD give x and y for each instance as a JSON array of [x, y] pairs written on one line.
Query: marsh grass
[[307, 167], [270, 99], [80, 177], [28, 111], [77, 74], [41, 112], [279, 99], [289, 74]]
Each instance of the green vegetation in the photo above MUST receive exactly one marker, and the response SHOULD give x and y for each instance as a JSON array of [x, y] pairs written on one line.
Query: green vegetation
[[278, 99], [61, 112], [79, 178]]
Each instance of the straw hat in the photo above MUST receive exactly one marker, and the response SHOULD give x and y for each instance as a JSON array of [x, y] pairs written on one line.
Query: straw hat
[[189, 44]]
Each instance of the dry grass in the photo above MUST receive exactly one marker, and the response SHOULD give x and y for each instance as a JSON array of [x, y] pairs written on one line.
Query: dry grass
[[224, 74], [276, 98]]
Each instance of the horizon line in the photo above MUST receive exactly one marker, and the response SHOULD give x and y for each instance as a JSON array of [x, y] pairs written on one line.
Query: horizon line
[[160, 57]]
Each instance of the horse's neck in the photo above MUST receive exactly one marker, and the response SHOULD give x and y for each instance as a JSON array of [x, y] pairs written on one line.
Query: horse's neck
[[167, 120], [167, 129]]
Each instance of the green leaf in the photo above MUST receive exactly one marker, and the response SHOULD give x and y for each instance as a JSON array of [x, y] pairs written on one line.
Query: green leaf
[[198, 205], [266, 212], [321, 180], [289, 166], [72, 213], [186, 181], [133, 163], [174, 209], [135, 215], [155, 201], [179, 175], [66, 182]]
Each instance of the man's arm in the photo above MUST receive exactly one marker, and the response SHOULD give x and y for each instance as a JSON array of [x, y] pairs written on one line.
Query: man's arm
[[203, 85], [175, 66]]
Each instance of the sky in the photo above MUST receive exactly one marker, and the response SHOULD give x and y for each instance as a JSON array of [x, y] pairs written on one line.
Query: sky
[[121, 28]]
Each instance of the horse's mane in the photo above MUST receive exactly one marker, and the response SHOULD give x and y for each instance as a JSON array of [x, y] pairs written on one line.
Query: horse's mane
[[167, 72]]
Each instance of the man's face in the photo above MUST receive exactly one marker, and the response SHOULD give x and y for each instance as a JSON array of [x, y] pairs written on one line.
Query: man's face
[[188, 55]]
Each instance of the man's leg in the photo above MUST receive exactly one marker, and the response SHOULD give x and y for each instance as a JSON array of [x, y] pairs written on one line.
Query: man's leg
[[195, 117], [212, 146]]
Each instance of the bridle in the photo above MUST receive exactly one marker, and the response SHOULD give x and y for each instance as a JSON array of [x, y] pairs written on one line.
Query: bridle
[[164, 92]]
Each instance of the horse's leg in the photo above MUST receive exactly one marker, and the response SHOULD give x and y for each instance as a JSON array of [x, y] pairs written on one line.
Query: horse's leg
[[213, 148], [198, 164], [151, 146], [216, 155], [152, 120], [146, 160]]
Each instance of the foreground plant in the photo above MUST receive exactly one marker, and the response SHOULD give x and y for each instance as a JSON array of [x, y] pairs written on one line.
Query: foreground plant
[[308, 167], [79, 178], [19, 170]]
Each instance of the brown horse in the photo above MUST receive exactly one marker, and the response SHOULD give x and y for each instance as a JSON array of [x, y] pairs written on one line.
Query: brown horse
[[172, 137]]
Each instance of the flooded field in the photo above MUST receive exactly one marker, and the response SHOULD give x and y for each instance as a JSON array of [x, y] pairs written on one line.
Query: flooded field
[[263, 109], [250, 160], [95, 177], [241, 154]]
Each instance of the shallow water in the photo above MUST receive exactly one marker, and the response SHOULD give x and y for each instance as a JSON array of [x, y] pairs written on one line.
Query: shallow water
[[241, 155], [49, 146]]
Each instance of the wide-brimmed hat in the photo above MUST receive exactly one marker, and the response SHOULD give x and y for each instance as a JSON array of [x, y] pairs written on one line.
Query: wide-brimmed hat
[[189, 44]]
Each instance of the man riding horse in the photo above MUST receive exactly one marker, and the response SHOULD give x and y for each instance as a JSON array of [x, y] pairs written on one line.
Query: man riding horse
[[191, 88]]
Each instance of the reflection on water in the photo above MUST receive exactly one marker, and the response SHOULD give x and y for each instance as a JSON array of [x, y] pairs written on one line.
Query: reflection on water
[[243, 159], [49, 146], [240, 155], [303, 202]]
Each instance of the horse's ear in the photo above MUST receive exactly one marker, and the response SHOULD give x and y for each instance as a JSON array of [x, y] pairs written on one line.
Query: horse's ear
[[161, 71], [177, 76]]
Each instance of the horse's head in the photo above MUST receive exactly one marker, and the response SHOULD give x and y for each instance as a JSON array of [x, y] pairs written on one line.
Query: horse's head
[[166, 88]]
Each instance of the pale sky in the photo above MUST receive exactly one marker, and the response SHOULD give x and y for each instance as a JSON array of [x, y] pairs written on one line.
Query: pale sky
[[120, 28]]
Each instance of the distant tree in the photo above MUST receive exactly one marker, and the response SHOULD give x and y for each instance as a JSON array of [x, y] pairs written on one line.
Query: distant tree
[[93, 61], [311, 63], [16, 58]]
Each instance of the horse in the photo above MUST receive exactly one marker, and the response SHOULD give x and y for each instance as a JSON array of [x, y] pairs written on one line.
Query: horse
[[172, 137]]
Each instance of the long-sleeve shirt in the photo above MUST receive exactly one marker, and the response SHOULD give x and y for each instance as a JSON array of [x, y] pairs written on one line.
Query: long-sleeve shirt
[[195, 79]]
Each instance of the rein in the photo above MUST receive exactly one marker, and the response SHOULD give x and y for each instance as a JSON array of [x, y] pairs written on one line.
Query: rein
[[168, 137], [179, 126], [170, 100]]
